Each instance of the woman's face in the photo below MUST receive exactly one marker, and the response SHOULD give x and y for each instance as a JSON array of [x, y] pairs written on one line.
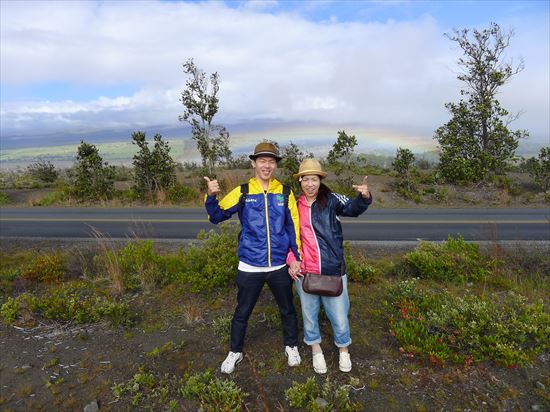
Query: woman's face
[[310, 185]]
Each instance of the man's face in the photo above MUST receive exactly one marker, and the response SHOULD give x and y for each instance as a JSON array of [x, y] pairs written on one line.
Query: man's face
[[264, 167]]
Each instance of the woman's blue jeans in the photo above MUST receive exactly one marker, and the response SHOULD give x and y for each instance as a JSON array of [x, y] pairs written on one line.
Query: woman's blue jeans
[[336, 309]]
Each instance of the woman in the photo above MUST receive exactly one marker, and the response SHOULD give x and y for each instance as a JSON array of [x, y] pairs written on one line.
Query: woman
[[323, 252]]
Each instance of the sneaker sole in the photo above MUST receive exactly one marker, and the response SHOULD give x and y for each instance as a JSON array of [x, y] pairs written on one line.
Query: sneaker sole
[[345, 369], [320, 371]]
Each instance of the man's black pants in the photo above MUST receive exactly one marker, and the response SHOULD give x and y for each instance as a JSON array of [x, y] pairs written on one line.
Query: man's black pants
[[250, 285]]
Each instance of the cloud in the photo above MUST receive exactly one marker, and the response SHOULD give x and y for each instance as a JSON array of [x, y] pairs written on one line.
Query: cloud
[[395, 74]]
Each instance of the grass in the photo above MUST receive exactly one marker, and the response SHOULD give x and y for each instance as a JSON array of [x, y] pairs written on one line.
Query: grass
[[437, 319]]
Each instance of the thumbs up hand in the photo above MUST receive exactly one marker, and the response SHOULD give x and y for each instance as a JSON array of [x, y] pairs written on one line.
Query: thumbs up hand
[[363, 188], [213, 187]]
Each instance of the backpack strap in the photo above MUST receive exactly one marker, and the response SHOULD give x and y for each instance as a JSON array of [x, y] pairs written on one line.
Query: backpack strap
[[244, 192], [286, 193]]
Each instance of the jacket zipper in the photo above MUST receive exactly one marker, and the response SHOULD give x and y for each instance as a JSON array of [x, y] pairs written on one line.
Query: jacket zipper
[[314, 234], [268, 231]]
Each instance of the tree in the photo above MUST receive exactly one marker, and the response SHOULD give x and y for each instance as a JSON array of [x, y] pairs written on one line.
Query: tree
[[292, 156], [402, 164], [201, 105], [43, 170], [340, 159], [154, 170], [539, 168], [93, 178], [477, 140]]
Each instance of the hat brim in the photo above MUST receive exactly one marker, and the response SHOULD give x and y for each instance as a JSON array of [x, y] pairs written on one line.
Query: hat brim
[[319, 173], [264, 154]]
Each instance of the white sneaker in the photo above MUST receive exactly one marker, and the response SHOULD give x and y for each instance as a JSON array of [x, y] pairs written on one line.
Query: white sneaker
[[345, 362], [228, 365], [293, 355], [319, 364]]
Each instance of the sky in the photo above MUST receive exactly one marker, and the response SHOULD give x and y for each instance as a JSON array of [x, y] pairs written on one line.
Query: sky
[[299, 70]]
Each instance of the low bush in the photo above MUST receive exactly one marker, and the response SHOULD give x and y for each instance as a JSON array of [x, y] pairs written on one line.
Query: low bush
[[140, 265], [28, 181], [222, 326], [7, 278], [213, 262], [441, 327], [45, 267], [306, 396], [4, 199], [358, 267], [209, 264], [214, 394], [55, 197], [8, 178], [453, 260], [149, 392], [182, 194], [77, 302], [43, 170]]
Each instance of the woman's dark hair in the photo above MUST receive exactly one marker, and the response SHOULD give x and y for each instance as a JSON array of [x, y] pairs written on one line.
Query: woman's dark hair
[[322, 196]]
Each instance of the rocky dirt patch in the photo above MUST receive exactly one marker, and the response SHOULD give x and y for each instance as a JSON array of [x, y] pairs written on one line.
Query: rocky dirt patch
[[53, 366]]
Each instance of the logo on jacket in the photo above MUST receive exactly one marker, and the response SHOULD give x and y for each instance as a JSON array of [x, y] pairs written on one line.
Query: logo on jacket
[[250, 199]]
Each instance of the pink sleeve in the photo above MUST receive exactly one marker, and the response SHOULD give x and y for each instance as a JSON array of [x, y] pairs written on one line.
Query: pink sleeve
[[290, 257]]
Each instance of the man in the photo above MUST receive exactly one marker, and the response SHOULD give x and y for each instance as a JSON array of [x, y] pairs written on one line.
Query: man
[[270, 231]]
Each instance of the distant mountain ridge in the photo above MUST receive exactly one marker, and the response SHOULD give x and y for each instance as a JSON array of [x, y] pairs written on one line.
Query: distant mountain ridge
[[310, 137]]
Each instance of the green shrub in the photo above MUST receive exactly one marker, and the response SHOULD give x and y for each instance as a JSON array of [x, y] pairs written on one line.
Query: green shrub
[[304, 395], [7, 277], [453, 260], [214, 394], [140, 265], [8, 178], [52, 198], [441, 195], [442, 327], [222, 326], [11, 309], [76, 302], [28, 181], [128, 195], [212, 263], [43, 170], [150, 392], [179, 193], [147, 391], [46, 267], [358, 267], [4, 199], [158, 351], [539, 170]]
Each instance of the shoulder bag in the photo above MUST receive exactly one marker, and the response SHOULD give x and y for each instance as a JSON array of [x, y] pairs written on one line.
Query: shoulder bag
[[323, 285]]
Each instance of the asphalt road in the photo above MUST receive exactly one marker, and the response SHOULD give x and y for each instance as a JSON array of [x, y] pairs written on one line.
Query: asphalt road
[[185, 223]]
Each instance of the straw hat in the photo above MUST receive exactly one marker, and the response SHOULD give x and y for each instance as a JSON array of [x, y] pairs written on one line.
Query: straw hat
[[265, 149], [310, 167]]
